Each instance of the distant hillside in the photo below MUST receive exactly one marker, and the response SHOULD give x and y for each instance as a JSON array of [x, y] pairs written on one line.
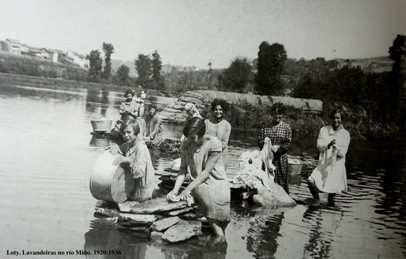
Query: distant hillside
[[374, 65], [115, 64]]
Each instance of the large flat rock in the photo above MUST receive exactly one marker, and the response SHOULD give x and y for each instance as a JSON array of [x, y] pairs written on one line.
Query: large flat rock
[[157, 205], [179, 212], [127, 205], [174, 112], [138, 218], [179, 232], [164, 223]]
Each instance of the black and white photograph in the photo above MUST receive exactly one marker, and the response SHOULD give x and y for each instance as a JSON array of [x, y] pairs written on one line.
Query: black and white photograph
[[232, 129]]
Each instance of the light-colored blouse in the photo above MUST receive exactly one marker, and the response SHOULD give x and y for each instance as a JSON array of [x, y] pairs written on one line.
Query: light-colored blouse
[[142, 169], [330, 174], [222, 131]]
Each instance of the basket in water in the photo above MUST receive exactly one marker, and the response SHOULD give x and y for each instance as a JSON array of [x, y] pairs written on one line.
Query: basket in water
[[295, 166], [101, 125]]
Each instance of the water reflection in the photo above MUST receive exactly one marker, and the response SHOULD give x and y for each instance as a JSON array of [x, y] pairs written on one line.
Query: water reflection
[[96, 98], [106, 241], [112, 243], [323, 226], [101, 141], [369, 220], [263, 234]]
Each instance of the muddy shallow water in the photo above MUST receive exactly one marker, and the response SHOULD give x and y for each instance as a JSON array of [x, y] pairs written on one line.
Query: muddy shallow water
[[47, 154]]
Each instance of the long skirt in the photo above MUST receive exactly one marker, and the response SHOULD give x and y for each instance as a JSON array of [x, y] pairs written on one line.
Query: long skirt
[[214, 195]]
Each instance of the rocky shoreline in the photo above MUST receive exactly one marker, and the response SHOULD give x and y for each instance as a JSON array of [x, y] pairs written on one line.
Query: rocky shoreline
[[202, 99]]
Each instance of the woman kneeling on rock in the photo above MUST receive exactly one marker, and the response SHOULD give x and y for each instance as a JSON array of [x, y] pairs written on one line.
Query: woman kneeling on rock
[[202, 153], [137, 158]]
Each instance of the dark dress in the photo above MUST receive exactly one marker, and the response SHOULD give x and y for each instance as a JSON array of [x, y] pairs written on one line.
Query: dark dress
[[281, 135]]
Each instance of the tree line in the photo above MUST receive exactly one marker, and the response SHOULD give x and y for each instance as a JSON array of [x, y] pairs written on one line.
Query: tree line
[[148, 69]]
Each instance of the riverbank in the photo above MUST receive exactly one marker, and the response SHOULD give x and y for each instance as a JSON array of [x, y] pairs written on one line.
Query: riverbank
[[54, 83], [306, 116], [247, 112]]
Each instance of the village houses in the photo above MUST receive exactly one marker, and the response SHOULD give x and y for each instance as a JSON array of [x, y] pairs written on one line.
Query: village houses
[[14, 46]]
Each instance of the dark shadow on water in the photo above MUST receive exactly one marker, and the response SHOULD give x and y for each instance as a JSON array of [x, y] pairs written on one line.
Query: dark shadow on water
[[97, 98], [104, 240], [319, 243], [263, 233]]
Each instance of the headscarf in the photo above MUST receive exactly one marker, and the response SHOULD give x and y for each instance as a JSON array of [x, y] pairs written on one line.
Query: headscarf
[[191, 107]]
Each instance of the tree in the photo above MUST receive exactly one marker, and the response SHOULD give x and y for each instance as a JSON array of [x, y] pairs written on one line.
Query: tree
[[271, 59], [108, 50], [95, 63], [156, 71], [123, 75], [237, 76], [143, 66]]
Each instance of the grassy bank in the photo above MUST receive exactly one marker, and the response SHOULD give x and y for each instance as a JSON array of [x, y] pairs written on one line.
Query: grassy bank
[[53, 83]]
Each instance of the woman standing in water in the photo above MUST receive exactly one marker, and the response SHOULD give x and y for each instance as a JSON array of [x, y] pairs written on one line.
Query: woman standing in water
[[217, 126], [128, 108], [154, 127], [280, 135], [202, 154], [136, 156], [330, 174]]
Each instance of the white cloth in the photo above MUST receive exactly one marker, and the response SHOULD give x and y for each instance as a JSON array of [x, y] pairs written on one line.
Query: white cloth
[[267, 157], [330, 175]]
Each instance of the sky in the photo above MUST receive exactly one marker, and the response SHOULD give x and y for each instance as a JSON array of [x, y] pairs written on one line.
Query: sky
[[196, 32]]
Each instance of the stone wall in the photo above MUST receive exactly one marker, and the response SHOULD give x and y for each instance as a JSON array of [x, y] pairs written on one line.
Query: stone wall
[[201, 98]]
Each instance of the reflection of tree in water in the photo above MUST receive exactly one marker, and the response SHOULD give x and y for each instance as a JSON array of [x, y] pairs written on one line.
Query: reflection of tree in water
[[126, 245], [97, 98], [262, 235], [92, 97], [202, 248], [389, 158], [393, 183], [105, 101], [324, 225]]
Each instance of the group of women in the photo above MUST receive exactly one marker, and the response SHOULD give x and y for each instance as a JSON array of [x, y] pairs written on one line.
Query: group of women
[[204, 150]]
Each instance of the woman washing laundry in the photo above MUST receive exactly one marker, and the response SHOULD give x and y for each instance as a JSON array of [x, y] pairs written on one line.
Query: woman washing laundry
[[202, 154], [136, 157], [279, 134], [330, 174]]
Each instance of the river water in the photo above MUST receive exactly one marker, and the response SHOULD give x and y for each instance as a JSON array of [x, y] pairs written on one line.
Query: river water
[[47, 154]]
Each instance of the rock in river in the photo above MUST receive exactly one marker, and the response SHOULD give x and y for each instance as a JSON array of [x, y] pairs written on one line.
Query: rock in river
[[138, 219], [157, 205], [164, 223], [180, 232]]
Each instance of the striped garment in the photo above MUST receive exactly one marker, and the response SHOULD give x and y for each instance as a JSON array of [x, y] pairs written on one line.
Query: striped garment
[[281, 135]]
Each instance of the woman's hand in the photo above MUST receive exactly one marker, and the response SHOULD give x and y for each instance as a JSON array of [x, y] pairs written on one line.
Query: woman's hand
[[184, 195], [332, 143], [171, 194], [114, 148]]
